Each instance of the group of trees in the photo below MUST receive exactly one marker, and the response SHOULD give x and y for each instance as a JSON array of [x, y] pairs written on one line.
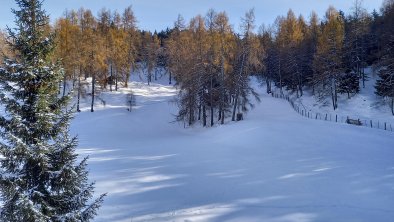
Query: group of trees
[[102, 48], [211, 65], [329, 56], [383, 30], [211, 62], [313, 55], [106, 47]]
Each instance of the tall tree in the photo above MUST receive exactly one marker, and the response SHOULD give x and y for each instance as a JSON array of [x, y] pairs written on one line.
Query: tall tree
[[329, 55], [245, 62], [39, 177], [129, 26]]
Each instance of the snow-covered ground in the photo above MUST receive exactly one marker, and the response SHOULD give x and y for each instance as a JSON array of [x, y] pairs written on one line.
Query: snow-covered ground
[[275, 166], [365, 105]]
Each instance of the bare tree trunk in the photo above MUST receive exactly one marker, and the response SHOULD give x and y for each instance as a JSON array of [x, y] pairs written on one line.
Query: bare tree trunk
[[333, 94], [128, 76], [74, 78], [392, 105], [211, 99], [79, 88], [235, 107], [155, 74], [93, 86], [116, 80], [204, 116], [222, 121], [268, 83], [64, 84], [191, 117], [222, 91], [280, 79], [199, 111], [111, 79]]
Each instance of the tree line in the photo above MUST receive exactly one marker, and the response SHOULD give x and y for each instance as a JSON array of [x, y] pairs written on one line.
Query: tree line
[[329, 56], [211, 62]]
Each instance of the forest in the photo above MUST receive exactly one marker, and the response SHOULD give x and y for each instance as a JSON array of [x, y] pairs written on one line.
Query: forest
[[211, 63]]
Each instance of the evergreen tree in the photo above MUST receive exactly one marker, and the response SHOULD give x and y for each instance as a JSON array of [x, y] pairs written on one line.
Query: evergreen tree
[[39, 177]]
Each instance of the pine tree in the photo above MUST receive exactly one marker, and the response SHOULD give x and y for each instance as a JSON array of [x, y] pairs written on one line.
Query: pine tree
[[39, 177]]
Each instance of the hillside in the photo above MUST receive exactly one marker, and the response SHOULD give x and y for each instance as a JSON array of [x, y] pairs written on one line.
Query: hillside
[[366, 105], [273, 166]]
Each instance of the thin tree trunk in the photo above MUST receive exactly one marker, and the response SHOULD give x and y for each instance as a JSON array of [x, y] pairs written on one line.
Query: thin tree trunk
[[128, 76], [204, 116], [235, 107], [280, 78], [79, 88], [170, 77], [211, 99], [111, 79], [191, 118], [116, 80], [199, 112], [155, 74], [267, 81], [93, 85], [392, 105], [64, 84], [222, 90], [333, 93], [222, 121], [74, 78]]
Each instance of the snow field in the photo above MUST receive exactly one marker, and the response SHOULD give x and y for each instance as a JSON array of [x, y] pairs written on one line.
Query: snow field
[[274, 166]]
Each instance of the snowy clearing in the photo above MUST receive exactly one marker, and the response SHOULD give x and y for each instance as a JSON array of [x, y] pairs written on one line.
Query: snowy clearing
[[274, 166]]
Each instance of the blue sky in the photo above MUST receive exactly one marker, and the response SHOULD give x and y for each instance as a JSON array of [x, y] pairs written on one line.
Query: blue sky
[[159, 14]]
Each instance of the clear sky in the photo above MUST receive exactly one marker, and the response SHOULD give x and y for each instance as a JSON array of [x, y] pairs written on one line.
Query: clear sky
[[159, 14]]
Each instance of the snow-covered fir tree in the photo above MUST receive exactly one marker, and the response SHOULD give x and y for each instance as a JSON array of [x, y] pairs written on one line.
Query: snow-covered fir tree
[[40, 179]]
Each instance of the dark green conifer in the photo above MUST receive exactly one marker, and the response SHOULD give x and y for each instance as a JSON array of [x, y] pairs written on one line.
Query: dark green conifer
[[40, 179]]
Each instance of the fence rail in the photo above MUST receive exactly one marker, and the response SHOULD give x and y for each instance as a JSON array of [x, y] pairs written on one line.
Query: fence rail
[[334, 117]]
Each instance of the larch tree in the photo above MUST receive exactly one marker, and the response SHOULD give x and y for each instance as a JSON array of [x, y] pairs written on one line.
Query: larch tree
[[129, 22], [245, 61], [226, 44], [40, 179], [329, 54]]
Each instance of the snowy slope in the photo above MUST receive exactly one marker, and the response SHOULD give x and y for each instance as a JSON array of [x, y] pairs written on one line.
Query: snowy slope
[[275, 166], [365, 105]]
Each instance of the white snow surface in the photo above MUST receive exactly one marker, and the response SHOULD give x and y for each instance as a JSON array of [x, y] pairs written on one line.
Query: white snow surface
[[365, 105], [275, 166]]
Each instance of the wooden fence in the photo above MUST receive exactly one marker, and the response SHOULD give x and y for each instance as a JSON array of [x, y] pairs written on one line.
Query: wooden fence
[[334, 117]]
